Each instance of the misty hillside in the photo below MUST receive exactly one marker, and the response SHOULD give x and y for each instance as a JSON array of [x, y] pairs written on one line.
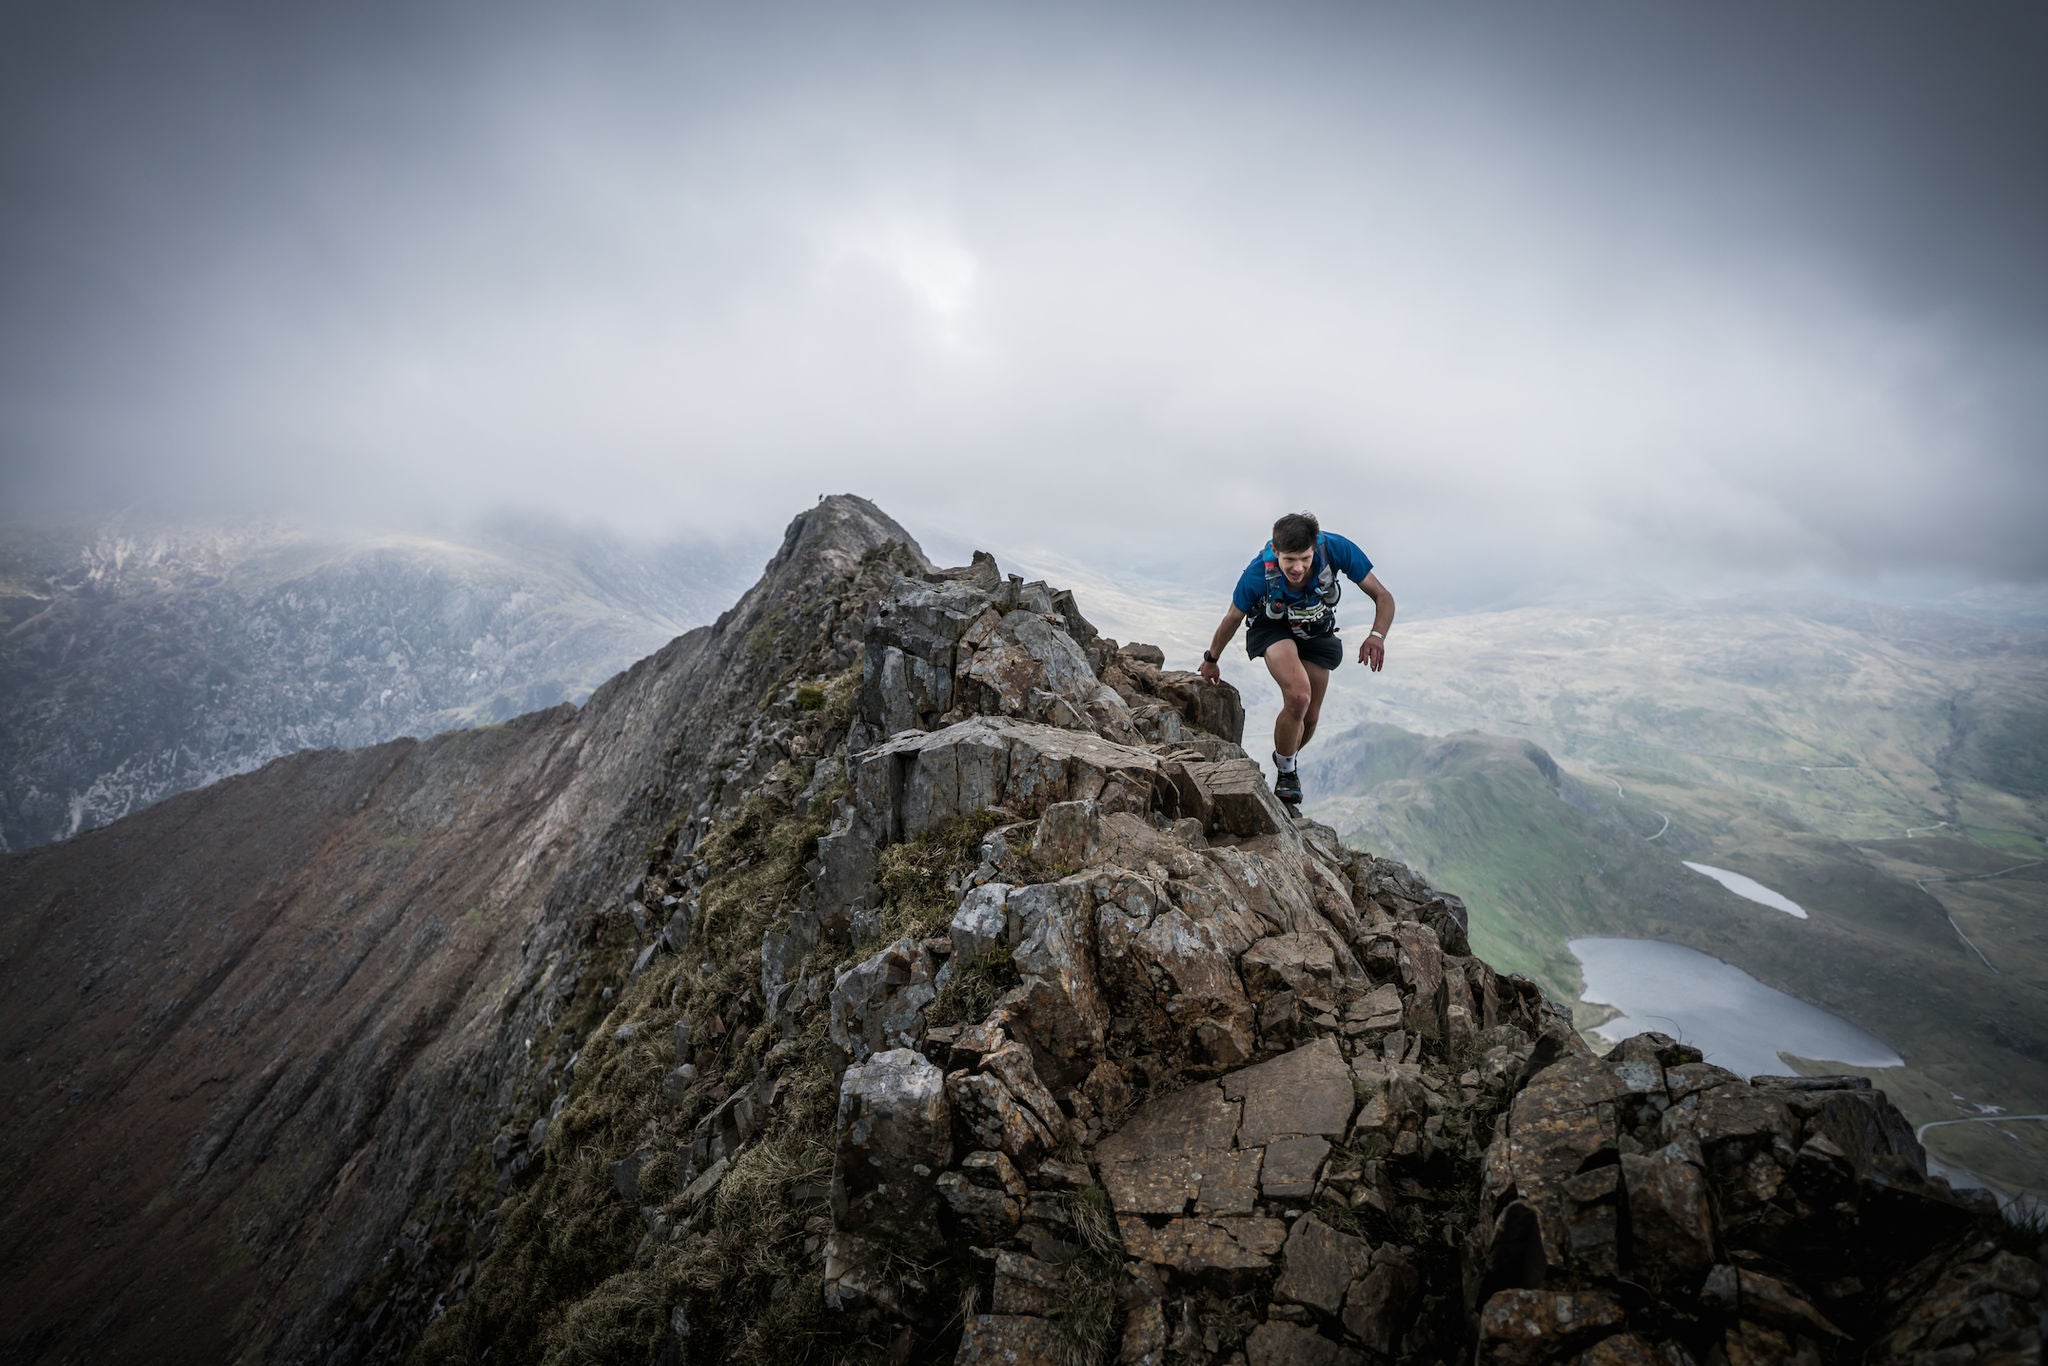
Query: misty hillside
[[136, 662], [1545, 852]]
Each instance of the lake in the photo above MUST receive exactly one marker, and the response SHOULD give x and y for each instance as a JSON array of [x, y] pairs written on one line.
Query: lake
[[1752, 889], [1735, 1020]]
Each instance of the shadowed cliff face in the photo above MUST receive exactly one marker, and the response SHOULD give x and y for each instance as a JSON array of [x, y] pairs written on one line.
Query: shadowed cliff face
[[247, 1030]]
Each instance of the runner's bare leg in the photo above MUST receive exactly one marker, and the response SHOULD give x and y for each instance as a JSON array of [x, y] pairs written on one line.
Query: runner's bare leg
[[1283, 661], [1318, 684]]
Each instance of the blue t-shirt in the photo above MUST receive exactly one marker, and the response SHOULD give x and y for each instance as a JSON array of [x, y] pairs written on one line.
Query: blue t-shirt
[[1249, 597]]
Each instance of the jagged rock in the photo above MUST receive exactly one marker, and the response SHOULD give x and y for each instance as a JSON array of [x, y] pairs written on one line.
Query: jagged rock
[[879, 1003], [1379, 1307], [1671, 1217], [676, 1083], [1981, 1296], [986, 1217], [981, 923], [699, 1190], [1213, 707], [1754, 1295], [626, 1173], [1144, 1335], [1025, 1285], [912, 638], [1221, 1251], [1060, 1006], [991, 1117], [1176, 972], [994, 1171], [917, 782], [857, 1275], [894, 1136]]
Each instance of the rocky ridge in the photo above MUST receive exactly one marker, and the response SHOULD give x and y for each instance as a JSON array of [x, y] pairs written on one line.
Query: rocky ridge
[[1003, 1015], [256, 1036]]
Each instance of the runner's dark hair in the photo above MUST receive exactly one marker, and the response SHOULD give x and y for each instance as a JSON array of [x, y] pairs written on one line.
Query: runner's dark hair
[[1296, 532]]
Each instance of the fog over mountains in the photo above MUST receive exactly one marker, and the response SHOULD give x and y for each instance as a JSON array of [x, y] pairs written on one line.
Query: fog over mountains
[[139, 659]]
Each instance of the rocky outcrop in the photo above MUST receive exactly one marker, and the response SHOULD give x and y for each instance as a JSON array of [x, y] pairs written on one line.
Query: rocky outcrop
[[973, 999], [1320, 1129]]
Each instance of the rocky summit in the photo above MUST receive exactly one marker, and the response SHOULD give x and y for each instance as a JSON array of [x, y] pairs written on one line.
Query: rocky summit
[[898, 970]]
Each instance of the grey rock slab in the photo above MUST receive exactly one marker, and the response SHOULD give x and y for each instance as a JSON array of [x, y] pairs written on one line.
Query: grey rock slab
[[916, 782], [1307, 1091], [1320, 1265], [1290, 1344], [1291, 1167], [1203, 1247], [1010, 1340], [1199, 1117]]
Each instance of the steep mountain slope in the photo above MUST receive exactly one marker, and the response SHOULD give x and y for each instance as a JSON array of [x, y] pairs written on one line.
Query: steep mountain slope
[[900, 970], [137, 662], [247, 1028]]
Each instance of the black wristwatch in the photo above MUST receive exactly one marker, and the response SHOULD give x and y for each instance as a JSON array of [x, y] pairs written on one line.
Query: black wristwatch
[[1211, 658]]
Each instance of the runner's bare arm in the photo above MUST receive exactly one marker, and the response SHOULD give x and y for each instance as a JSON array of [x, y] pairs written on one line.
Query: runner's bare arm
[[1225, 629], [1372, 651]]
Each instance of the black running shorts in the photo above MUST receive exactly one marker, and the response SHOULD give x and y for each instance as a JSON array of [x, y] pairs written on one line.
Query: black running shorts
[[1326, 651]]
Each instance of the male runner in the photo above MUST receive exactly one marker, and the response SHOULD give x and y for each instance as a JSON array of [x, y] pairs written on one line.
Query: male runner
[[1290, 592]]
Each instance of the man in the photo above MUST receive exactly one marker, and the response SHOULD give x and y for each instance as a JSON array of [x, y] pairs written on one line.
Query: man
[[1290, 592]]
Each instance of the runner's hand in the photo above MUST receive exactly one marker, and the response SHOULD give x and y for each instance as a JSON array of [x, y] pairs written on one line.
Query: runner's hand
[[1210, 672], [1372, 652]]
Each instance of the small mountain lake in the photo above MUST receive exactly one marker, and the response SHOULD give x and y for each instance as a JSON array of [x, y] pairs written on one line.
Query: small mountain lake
[[1735, 1020], [1751, 889]]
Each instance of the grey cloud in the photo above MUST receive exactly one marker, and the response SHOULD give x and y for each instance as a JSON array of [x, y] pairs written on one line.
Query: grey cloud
[[1518, 296]]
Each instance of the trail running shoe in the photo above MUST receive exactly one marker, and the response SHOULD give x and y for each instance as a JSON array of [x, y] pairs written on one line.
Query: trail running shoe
[[1287, 787]]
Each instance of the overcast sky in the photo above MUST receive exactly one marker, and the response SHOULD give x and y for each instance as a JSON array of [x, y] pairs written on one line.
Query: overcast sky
[[1510, 294]]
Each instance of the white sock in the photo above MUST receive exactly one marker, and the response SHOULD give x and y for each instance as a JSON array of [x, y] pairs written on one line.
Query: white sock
[[1283, 762]]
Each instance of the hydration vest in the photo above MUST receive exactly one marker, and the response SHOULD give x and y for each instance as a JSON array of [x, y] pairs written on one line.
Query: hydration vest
[[1316, 617]]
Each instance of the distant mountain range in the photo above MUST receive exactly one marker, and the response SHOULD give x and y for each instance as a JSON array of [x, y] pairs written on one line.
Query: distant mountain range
[[137, 661]]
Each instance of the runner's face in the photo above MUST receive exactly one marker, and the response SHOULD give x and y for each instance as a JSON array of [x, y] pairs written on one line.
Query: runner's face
[[1295, 564]]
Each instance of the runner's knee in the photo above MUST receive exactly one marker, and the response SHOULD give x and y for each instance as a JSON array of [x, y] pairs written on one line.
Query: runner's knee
[[1295, 700]]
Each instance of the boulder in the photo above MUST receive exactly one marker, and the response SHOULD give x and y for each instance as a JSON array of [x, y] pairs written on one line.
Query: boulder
[[1069, 836], [893, 1137], [1236, 798], [1213, 707]]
